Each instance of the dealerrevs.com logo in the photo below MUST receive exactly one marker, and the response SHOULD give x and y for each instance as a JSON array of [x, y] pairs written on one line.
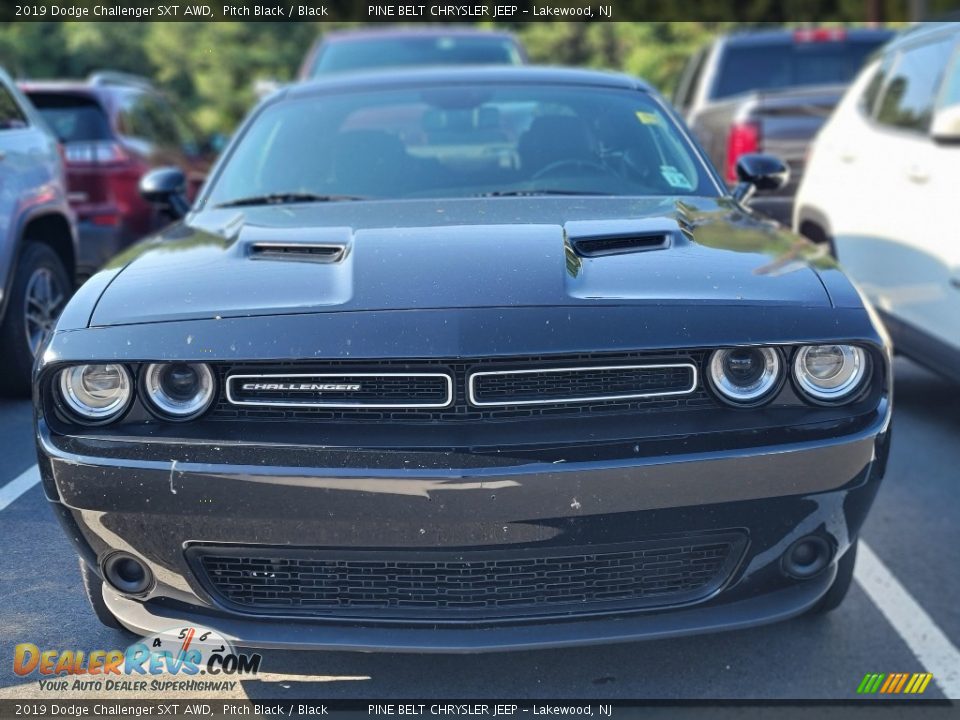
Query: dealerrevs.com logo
[[198, 659]]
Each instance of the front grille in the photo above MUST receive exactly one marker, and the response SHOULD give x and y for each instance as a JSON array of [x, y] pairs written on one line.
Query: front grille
[[342, 390], [469, 585], [583, 384], [461, 410]]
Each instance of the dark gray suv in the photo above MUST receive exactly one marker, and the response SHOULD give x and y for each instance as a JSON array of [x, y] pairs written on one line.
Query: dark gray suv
[[37, 237]]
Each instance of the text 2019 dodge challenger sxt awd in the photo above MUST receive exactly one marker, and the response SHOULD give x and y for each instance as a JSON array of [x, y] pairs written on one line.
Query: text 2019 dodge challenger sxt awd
[[464, 360]]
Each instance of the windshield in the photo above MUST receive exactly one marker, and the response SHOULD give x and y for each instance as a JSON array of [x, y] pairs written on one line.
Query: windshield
[[772, 66], [462, 142], [410, 51]]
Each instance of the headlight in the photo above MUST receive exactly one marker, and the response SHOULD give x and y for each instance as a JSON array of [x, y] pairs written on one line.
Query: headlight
[[830, 372], [745, 375], [96, 393], [179, 391]]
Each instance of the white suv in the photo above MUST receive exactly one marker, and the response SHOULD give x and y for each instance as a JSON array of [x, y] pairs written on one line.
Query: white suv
[[38, 244], [882, 186]]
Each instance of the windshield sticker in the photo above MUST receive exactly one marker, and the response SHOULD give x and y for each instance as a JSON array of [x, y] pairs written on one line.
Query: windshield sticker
[[648, 118], [675, 178]]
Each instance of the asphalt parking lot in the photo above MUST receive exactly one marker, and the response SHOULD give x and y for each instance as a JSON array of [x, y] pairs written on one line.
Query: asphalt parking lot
[[901, 616]]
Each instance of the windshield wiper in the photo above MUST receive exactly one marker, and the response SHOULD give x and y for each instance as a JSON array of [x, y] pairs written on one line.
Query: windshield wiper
[[287, 198], [526, 193]]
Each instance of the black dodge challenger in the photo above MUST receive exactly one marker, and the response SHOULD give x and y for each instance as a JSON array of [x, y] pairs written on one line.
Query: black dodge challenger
[[462, 360]]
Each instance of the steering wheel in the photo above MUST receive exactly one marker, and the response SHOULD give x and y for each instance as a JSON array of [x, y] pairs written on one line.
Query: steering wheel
[[554, 168]]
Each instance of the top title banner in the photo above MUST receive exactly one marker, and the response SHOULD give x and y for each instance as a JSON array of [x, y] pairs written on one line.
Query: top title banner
[[475, 11]]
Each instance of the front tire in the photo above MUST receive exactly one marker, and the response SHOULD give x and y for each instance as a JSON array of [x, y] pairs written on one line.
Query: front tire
[[841, 583], [93, 589], [38, 293]]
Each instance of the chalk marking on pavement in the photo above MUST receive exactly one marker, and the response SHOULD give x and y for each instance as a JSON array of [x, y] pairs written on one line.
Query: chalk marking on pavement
[[18, 486], [914, 626]]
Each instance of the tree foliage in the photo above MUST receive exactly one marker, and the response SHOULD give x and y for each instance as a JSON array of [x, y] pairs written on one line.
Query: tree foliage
[[210, 67]]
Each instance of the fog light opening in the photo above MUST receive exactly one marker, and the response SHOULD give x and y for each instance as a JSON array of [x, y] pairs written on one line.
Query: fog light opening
[[127, 574], [807, 557]]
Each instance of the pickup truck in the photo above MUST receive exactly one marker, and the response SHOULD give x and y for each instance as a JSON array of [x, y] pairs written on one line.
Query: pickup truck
[[770, 92]]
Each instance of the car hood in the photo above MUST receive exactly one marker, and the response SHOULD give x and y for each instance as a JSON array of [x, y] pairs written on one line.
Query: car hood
[[488, 252]]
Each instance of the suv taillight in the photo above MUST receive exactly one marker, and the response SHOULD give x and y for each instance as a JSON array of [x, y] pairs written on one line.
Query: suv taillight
[[744, 138], [95, 153]]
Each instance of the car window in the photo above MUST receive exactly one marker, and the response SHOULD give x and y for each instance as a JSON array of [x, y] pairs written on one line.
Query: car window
[[868, 100], [910, 91], [11, 115], [380, 52], [690, 80], [950, 94], [161, 119], [134, 119], [772, 66], [73, 118], [189, 142], [464, 141]]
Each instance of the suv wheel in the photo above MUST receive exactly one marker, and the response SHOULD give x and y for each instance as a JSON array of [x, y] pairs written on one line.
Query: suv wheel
[[39, 291]]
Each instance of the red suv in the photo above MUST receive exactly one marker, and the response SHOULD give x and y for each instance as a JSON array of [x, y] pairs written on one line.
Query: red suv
[[114, 128]]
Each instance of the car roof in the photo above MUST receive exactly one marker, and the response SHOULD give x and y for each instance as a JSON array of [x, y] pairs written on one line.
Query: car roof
[[71, 86], [766, 37], [366, 34], [465, 76], [81, 88], [924, 32]]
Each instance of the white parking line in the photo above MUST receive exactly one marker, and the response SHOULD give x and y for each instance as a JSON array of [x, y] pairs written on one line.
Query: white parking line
[[19, 485], [915, 627]]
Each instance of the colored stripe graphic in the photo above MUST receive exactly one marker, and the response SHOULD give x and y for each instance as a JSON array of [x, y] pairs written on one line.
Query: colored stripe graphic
[[894, 683], [870, 683], [902, 682]]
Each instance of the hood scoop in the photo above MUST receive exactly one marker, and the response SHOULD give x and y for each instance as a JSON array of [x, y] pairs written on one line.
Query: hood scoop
[[304, 252], [318, 245], [598, 239]]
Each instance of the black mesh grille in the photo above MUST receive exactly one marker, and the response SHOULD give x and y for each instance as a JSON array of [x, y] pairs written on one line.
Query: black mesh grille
[[461, 410], [356, 389], [480, 585], [582, 384]]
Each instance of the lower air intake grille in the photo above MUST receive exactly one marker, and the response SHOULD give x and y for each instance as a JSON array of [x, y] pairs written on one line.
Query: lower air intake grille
[[469, 585]]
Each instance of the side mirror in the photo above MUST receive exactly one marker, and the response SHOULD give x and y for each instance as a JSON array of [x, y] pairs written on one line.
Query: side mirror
[[946, 125], [167, 187], [756, 171]]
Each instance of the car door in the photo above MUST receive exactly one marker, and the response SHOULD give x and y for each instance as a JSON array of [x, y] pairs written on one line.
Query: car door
[[25, 171], [841, 159], [902, 248]]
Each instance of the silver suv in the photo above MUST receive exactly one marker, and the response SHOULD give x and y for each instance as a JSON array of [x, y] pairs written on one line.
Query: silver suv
[[38, 244]]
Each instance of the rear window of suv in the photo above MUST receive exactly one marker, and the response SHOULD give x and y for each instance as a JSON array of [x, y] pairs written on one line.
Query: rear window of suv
[[781, 65], [347, 55], [72, 118]]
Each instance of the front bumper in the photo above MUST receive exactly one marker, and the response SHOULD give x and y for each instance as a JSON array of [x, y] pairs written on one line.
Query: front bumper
[[423, 502]]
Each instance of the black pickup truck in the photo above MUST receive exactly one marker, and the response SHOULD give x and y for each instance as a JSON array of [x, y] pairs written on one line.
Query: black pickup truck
[[770, 91]]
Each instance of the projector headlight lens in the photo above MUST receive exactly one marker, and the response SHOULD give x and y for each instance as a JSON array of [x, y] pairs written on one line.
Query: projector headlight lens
[[96, 393], [830, 373], [179, 391], [745, 375]]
